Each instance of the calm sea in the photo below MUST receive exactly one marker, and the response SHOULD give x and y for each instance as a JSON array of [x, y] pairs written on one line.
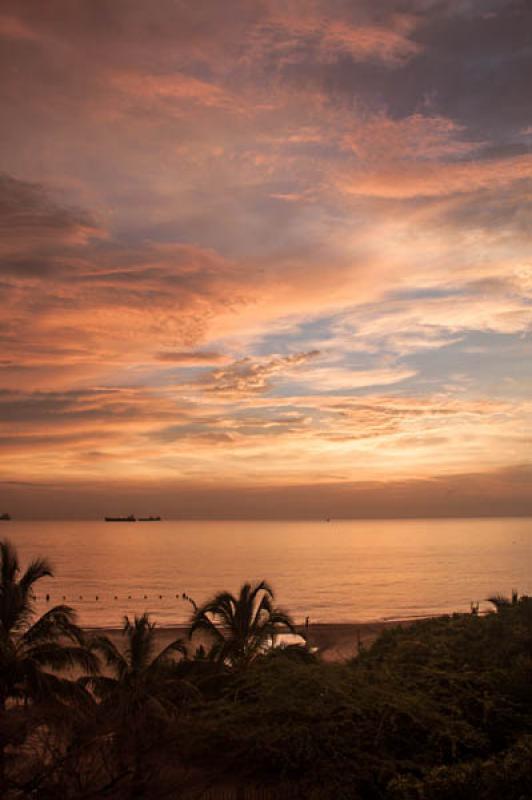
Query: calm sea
[[345, 571]]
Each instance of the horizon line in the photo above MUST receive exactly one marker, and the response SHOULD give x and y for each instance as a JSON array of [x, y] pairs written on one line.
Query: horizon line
[[284, 519]]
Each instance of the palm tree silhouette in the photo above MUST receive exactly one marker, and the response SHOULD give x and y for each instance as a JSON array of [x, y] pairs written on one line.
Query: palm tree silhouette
[[141, 692], [241, 627], [137, 671], [29, 646]]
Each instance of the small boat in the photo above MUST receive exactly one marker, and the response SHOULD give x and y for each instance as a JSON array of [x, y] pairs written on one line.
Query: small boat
[[149, 519], [5, 517], [130, 518]]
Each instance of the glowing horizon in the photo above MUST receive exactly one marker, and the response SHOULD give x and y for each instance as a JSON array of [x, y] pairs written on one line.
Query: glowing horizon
[[261, 246]]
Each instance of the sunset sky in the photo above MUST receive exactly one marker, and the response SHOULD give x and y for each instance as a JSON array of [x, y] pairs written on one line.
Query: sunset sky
[[266, 257]]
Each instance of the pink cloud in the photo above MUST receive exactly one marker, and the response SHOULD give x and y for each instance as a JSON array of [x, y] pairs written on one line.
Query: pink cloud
[[380, 138], [291, 26], [176, 87]]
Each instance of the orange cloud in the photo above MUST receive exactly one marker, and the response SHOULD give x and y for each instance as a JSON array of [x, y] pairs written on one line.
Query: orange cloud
[[410, 180], [192, 358]]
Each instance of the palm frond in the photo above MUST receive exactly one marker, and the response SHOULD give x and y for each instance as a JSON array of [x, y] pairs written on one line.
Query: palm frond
[[9, 568], [264, 606], [140, 634], [43, 686], [281, 619], [102, 685], [217, 653], [39, 568], [201, 622], [176, 646], [60, 657], [111, 654], [262, 586], [221, 606], [16, 608], [58, 621]]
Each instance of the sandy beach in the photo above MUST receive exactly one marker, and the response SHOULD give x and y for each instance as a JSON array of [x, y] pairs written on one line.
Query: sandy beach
[[340, 641], [334, 641]]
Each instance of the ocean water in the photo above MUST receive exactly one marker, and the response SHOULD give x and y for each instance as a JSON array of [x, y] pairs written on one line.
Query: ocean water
[[341, 571]]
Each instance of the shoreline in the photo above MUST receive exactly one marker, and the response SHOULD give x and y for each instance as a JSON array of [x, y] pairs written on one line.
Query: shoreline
[[335, 641]]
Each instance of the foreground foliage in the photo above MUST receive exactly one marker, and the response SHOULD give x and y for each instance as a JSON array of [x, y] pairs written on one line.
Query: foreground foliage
[[440, 710], [29, 649]]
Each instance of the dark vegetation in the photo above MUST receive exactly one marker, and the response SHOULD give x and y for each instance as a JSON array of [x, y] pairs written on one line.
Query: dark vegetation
[[441, 710]]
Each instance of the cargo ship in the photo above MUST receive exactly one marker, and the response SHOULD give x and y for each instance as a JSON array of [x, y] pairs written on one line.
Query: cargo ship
[[149, 519], [5, 517], [130, 518]]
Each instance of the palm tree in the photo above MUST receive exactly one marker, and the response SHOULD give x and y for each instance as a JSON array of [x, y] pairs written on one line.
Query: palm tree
[[138, 674], [30, 647], [241, 627], [141, 691]]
